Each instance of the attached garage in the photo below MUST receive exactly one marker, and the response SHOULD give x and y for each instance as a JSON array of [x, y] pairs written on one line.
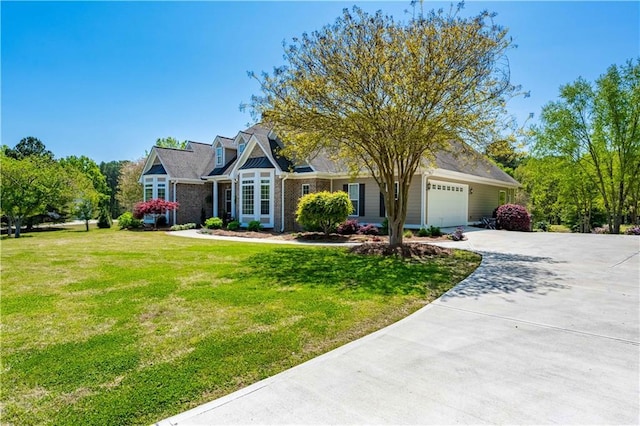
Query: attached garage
[[447, 203]]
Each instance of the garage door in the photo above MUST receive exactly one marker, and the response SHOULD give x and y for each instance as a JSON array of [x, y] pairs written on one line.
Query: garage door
[[447, 203]]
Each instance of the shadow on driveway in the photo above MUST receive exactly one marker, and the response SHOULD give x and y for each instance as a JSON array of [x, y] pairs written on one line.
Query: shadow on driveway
[[506, 274]]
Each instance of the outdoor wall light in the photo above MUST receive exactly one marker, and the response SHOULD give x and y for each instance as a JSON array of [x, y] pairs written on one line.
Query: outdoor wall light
[[470, 191]]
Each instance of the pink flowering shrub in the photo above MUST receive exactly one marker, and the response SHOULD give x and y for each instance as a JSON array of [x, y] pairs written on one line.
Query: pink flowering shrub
[[513, 217], [155, 208]]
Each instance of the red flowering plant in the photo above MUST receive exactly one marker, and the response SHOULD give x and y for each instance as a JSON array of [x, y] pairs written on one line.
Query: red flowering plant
[[155, 208]]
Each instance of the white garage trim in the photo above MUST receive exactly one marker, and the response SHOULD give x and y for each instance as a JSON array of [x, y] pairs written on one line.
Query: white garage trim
[[447, 203]]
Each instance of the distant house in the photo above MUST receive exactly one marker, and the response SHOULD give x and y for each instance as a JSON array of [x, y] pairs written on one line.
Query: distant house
[[246, 179]]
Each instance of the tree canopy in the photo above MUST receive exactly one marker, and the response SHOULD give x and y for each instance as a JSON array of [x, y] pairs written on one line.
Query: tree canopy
[[384, 96], [28, 147], [171, 142], [594, 129]]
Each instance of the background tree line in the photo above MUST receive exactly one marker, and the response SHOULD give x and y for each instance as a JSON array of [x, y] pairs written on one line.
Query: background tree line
[[583, 165]]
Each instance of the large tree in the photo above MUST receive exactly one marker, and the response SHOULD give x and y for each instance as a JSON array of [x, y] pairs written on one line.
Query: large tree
[[129, 187], [111, 172], [595, 127], [171, 142], [28, 147], [31, 184], [385, 96]]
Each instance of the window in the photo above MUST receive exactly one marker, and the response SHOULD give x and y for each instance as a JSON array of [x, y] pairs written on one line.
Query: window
[[227, 201], [305, 188], [241, 148], [264, 196], [148, 191], [162, 191], [354, 196], [219, 156], [247, 197], [503, 197]]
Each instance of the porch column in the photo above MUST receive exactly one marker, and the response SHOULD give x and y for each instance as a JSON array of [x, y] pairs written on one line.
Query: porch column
[[423, 199], [233, 200], [215, 198]]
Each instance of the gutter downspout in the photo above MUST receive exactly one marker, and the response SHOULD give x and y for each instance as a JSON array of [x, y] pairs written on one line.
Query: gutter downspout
[[282, 202]]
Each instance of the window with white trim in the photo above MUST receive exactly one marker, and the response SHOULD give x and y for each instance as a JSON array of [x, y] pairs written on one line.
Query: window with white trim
[[241, 148], [148, 191], [305, 188], [265, 200], [354, 196], [219, 158], [247, 197]]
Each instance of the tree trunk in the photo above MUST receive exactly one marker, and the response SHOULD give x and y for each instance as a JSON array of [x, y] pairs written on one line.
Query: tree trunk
[[86, 224], [9, 226], [395, 232], [18, 224]]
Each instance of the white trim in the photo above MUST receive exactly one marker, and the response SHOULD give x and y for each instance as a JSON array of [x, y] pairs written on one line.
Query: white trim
[[149, 163], [448, 174], [465, 192], [219, 158], [215, 199], [254, 175], [302, 189], [356, 211]]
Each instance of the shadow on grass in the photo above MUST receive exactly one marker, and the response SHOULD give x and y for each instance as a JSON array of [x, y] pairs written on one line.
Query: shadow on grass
[[345, 271], [507, 274]]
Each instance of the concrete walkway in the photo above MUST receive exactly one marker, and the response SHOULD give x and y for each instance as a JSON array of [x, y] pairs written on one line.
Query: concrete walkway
[[545, 331]]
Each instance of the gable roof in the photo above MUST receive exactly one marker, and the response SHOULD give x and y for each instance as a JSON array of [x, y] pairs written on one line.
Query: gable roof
[[197, 160], [188, 163]]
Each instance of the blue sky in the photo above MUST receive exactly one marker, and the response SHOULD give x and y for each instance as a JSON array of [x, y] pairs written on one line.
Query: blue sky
[[106, 79]]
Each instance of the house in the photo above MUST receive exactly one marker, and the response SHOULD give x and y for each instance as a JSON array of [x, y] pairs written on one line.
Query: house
[[245, 178]]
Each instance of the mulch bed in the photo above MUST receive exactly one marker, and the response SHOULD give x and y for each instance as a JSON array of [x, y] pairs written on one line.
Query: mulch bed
[[414, 250]]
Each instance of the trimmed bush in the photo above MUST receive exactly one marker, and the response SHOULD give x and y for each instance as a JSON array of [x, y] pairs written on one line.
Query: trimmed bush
[[127, 221], [407, 233], [513, 217], [254, 226], [432, 231], [234, 225], [213, 223], [323, 210], [348, 227], [183, 227], [369, 229]]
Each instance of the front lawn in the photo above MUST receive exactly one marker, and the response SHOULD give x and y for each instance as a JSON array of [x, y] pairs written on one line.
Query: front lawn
[[117, 327]]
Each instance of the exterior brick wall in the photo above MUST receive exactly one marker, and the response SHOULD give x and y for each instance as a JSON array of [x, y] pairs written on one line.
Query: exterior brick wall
[[193, 198], [292, 194]]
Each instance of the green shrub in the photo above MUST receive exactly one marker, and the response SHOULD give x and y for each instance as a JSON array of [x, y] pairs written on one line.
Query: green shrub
[[324, 210], [104, 218], [434, 231], [255, 226], [542, 225], [384, 229], [234, 225], [127, 221], [213, 223], [183, 227], [407, 233]]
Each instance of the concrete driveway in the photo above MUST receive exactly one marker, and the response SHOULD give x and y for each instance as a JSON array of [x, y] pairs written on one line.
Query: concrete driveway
[[546, 331]]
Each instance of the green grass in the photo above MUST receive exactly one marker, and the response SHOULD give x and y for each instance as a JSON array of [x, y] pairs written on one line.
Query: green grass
[[117, 327]]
